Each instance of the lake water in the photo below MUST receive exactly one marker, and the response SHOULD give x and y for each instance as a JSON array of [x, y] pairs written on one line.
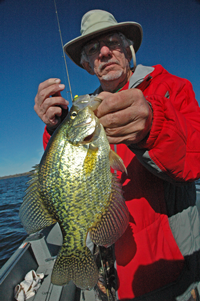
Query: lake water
[[11, 231]]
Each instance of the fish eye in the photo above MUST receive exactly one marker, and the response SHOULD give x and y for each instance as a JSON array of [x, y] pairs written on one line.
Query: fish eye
[[73, 115]]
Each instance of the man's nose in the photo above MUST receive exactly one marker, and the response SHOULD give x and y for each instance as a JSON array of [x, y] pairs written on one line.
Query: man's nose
[[104, 50]]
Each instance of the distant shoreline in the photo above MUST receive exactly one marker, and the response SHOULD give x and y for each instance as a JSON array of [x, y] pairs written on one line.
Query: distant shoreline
[[16, 175]]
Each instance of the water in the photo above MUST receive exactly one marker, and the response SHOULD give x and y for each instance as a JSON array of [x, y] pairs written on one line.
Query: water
[[11, 231]]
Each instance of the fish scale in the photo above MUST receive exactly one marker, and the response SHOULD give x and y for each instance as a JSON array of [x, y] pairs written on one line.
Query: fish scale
[[73, 185]]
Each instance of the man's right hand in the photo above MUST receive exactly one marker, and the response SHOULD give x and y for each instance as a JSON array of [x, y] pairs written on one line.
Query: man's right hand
[[49, 104]]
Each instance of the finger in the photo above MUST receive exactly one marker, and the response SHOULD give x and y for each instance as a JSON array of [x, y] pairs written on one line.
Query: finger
[[53, 102], [119, 101], [50, 109], [127, 135], [114, 102], [127, 115], [49, 87], [131, 128], [108, 105], [49, 91], [130, 133], [47, 83], [117, 119], [117, 140], [51, 118]]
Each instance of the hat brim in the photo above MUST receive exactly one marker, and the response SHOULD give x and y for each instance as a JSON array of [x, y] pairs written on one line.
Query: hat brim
[[131, 30]]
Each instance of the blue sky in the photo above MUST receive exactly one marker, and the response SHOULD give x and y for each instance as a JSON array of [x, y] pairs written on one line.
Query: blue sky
[[30, 52]]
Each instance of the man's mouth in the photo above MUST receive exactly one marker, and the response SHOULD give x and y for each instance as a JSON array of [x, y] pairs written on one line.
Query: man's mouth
[[108, 64]]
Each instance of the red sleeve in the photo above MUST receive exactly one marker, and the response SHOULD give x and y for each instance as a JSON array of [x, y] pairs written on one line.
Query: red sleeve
[[46, 137], [174, 141]]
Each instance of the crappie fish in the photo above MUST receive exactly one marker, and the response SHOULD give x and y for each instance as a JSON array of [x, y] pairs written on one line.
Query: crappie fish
[[73, 185]]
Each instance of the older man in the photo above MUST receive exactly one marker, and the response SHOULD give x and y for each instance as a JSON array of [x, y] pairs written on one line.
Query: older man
[[152, 120]]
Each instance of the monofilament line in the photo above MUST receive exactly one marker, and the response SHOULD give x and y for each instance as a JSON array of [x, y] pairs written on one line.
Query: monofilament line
[[63, 50]]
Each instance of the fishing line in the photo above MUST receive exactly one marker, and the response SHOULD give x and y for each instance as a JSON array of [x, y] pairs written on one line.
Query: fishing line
[[64, 57]]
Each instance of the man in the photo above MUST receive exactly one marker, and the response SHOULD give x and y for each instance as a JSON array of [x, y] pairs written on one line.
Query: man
[[152, 120]]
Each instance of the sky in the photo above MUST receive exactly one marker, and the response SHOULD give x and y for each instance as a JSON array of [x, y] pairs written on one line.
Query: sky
[[31, 52]]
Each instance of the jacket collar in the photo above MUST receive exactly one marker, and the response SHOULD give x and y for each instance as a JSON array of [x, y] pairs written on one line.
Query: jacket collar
[[139, 75]]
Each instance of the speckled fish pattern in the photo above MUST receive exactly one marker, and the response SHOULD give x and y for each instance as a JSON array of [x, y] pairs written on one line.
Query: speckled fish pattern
[[73, 185]]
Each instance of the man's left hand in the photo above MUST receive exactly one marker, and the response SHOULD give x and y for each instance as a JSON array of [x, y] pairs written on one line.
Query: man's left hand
[[126, 116]]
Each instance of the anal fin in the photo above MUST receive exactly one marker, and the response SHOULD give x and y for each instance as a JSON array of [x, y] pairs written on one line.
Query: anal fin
[[115, 219]]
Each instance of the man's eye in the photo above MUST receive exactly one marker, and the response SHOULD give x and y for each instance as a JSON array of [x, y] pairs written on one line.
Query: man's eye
[[93, 48], [113, 43]]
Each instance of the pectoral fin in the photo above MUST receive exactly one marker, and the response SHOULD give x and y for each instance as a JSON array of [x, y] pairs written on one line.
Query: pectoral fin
[[116, 162]]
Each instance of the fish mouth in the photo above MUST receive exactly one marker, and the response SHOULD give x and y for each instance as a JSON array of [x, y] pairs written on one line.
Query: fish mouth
[[92, 136], [89, 138]]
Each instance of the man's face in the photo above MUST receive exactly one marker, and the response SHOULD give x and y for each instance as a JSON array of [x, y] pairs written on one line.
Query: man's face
[[108, 58]]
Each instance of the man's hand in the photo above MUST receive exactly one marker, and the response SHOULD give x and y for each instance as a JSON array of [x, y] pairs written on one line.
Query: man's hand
[[126, 116], [49, 103]]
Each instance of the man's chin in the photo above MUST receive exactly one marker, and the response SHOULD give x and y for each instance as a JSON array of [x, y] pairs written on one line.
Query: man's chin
[[112, 75]]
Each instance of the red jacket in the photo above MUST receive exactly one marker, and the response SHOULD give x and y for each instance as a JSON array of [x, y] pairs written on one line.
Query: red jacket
[[156, 256]]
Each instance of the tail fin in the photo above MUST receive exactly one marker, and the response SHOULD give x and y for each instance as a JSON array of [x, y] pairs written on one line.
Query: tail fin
[[78, 266]]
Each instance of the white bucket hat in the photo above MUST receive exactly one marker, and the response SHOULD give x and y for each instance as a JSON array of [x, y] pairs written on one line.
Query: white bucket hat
[[97, 22]]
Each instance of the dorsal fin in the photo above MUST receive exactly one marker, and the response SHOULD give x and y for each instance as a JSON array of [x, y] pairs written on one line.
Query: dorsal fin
[[33, 214]]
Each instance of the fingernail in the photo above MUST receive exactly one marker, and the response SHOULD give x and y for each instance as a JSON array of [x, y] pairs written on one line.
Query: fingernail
[[57, 81], [61, 86]]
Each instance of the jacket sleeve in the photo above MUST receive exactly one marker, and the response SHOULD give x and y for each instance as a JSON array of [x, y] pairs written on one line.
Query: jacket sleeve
[[172, 149], [46, 137]]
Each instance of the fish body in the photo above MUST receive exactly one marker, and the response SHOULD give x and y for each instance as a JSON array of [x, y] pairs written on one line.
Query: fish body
[[73, 185]]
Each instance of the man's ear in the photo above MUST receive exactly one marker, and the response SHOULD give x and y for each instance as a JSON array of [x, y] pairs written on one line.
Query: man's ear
[[87, 67], [129, 54]]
